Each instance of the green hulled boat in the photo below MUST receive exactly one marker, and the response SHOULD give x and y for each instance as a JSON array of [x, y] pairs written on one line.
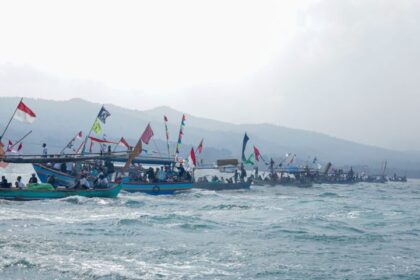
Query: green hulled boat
[[44, 192]]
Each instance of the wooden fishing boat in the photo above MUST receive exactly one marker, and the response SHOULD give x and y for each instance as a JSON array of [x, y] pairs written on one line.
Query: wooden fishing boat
[[61, 178], [38, 194], [44, 169], [219, 186], [154, 188]]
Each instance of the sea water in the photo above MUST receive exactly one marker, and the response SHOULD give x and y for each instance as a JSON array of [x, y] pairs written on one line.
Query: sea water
[[363, 231]]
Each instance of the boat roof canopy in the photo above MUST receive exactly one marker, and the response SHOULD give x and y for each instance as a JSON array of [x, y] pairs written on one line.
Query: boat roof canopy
[[59, 158], [224, 162]]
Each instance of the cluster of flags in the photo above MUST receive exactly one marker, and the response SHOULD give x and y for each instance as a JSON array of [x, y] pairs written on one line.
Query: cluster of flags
[[11, 147], [101, 118], [70, 145], [165, 120], [192, 159], [256, 154], [97, 129], [24, 114], [181, 133], [144, 138]]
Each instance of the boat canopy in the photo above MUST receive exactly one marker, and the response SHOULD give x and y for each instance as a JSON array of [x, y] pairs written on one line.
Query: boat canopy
[[224, 162], [60, 158]]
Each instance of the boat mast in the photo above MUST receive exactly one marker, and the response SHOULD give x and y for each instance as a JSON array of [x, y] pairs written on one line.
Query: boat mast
[[87, 136], [8, 124]]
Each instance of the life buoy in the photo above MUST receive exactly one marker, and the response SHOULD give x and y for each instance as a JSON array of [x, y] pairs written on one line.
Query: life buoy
[[156, 189]]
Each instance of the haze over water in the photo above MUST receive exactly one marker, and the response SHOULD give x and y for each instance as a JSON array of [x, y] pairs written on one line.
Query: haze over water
[[363, 231]]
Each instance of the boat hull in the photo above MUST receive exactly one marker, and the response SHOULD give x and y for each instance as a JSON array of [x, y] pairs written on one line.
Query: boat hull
[[154, 188], [298, 184], [17, 194], [222, 186], [61, 178]]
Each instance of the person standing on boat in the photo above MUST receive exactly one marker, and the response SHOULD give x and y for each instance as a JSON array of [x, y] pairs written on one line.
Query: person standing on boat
[[19, 184], [236, 175], [44, 150], [161, 174], [33, 179], [243, 173]]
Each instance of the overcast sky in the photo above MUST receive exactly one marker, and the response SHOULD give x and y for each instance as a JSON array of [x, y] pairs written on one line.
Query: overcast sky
[[350, 69]]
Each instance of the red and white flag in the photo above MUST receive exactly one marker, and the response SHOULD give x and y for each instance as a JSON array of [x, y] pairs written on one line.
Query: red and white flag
[[147, 134], [191, 159], [124, 143], [11, 148], [103, 141], [200, 147], [24, 113], [79, 135]]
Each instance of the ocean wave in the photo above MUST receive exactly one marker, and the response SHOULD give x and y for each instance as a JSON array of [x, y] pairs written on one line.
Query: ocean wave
[[329, 194], [226, 207]]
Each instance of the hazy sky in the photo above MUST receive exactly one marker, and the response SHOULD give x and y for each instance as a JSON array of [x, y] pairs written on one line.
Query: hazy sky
[[347, 68]]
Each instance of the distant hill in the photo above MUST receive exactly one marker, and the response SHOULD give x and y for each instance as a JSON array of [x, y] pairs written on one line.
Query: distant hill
[[58, 121]]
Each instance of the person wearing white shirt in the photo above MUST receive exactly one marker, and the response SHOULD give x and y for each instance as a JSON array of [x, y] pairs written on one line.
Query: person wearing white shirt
[[19, 184], [84, 183], [44, 150]]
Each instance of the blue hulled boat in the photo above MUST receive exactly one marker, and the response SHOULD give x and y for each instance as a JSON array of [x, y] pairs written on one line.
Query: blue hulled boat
[[61, 178], [155, 188]]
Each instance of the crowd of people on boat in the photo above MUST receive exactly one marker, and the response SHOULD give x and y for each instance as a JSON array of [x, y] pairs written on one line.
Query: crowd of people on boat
[[18, 183], [239, 176], [166, 173]]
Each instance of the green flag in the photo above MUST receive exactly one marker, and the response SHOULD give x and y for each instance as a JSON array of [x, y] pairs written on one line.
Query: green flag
[[249, 160]]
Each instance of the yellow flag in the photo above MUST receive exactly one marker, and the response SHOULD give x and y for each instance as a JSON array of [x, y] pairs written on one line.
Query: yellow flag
[[97, 127]]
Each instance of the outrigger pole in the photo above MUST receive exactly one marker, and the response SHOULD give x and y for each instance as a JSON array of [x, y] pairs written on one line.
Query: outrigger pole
[[8, 124]]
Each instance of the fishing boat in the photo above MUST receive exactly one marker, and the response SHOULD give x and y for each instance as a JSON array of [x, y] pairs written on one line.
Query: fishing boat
[[60, 192], [61, 178], [154, 188], [283, 182], [219, 186], [400, 179], [289, 176], [45, 170]]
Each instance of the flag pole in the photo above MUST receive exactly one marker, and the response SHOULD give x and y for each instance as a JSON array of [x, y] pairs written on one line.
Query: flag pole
[[167, 135], [90, 132], [21, 139], [181, 131], [116, 146], [7, 126], [157, 148], [72, 139]]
